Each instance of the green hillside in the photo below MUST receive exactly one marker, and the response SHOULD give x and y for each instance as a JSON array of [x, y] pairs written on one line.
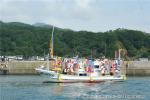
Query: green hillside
[[29, 40]]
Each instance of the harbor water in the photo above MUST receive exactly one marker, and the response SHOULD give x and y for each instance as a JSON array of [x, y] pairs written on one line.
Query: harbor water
[[31, 87]]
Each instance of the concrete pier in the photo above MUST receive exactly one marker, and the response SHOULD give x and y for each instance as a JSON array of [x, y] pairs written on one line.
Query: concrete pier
[[138, 68], [24, 67], [134, 68]]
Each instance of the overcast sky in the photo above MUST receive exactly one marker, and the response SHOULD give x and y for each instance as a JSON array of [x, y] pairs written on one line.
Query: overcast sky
[[90, 15]]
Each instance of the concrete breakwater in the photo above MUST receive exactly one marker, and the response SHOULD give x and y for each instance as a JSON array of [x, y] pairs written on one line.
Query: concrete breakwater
[[134, 68], [24, 67], [138, 68]]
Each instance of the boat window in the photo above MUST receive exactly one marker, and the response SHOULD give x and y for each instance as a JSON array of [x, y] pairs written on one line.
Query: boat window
[[83, 74], [96, 66]]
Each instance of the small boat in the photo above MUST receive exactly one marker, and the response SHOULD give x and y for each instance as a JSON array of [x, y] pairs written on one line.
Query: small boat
[[96, 75]]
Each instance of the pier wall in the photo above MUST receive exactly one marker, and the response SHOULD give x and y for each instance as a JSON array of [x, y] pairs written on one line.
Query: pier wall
[[138, 68], [134, 68], [23, 67]]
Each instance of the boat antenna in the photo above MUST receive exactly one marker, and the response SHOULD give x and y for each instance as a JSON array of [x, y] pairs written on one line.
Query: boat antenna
[[52, 44]]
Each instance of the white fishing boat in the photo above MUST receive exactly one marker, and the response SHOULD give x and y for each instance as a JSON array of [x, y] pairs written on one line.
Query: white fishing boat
[[63, 78], [57, 74]]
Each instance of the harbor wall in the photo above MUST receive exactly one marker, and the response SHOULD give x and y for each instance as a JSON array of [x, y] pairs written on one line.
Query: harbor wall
[[138, 68], [133, 68], [23, 67]]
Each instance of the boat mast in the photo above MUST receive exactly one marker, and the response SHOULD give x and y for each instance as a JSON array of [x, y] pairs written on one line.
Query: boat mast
[[52, 44], [51, 49]]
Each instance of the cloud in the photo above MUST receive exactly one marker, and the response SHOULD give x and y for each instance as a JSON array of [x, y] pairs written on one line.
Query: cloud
[[92, 15], [83, 3]]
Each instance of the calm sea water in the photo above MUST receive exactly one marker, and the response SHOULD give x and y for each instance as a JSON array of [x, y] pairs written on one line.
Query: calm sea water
[[32, 88]]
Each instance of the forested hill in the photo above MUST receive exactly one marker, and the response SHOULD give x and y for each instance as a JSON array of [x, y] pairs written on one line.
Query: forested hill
[[29, 40]]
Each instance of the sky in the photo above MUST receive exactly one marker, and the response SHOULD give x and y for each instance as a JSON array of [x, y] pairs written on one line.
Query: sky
[[89, 15]]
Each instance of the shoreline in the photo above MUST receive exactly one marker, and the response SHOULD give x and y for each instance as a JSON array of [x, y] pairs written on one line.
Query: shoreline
[[134, 68]]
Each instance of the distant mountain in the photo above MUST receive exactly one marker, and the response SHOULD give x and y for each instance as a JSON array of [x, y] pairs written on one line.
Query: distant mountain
[[24, 39], [42, 25], [1, 22], [17, 24]]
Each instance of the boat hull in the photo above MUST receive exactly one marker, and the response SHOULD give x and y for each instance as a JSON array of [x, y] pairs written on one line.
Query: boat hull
[[53, 77], [80, 81]]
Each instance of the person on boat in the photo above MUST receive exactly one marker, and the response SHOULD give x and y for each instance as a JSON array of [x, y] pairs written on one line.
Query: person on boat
[[66, 66], [117, 73], [77, 67], [59, 62], [106, 65], [90, 66], [102, 66], [113, 68], [116, 63], [69, 66], [63, 66], [72, 67], [86, 65], [103, 70], [100, 63], [64, 71], [54, 65]]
